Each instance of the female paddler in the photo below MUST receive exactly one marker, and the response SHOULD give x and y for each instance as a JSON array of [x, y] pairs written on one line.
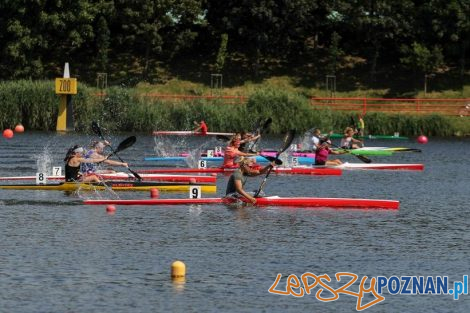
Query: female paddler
[[73, 160], [232, 151], [348, 141], [96, 152], [238, 178]]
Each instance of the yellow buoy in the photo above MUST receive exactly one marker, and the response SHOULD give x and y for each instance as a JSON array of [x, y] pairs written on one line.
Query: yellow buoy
[[178, 269]]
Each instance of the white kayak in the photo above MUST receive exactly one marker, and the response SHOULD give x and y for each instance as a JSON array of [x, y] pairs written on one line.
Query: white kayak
[[129, 176], [189, 133], [380, 166]]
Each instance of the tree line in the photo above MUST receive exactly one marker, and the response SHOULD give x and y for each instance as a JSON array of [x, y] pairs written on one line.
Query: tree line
[[151, 40]]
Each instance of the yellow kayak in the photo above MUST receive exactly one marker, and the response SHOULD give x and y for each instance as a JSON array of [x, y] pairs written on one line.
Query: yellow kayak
[[114, 185]]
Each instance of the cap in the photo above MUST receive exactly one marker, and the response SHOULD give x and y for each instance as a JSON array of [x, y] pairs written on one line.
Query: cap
[[78, 150], [325, 140]]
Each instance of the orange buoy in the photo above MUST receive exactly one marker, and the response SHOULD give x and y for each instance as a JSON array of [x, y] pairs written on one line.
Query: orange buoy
[[19, 128], [422, 139], [154, 193], [110, 208], [8, 133]]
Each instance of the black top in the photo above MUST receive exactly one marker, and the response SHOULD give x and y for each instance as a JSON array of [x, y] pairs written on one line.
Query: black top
[[71, 173]]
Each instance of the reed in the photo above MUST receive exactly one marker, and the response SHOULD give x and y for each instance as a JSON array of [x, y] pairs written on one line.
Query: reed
[[35, 105]]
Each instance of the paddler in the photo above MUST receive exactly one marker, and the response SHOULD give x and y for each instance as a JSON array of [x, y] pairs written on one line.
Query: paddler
[[73, 160], [96, 152], [322, 152], [348, 141], [247, 137], [238, 178], [232, 151], [201, 127]]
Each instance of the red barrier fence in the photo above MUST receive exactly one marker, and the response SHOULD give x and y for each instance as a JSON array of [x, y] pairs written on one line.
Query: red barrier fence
[[450, 107]]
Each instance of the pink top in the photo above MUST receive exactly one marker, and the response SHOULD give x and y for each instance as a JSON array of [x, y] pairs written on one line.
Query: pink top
[[322, 154], [230, 154]]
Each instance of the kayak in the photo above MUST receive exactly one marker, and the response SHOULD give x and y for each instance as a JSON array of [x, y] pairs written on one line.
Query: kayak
[[259, 159], [114, 185], [265, 201], [301, 170], [128, 176], [189, 133], [312, 154], [338, 136], [380, 166]]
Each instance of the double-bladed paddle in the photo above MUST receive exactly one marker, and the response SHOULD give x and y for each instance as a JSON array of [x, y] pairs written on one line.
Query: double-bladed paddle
[[126, 143], [288, 138]]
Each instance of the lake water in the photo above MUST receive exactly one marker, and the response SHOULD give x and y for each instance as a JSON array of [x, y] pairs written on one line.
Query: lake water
[[58, 255]]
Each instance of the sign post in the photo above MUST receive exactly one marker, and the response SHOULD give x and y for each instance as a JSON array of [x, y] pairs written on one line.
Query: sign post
[[65, 87]]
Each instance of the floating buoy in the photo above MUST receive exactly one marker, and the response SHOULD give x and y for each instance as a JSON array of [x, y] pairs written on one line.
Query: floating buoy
[[154, 193], [8, 133], [110, 208], [422, 139], [178, 269], [19, 128]]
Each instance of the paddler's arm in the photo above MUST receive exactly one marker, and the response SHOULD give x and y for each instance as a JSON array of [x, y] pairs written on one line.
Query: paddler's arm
[[239, 189], [116, 163]]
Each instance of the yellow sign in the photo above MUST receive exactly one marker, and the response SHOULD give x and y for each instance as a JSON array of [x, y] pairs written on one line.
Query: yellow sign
[[66, 86]]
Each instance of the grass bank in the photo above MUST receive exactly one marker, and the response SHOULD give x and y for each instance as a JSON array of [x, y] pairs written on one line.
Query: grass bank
[[34, 104]]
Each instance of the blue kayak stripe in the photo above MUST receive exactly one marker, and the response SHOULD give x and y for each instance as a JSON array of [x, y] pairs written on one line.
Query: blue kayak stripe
[[259, 159]]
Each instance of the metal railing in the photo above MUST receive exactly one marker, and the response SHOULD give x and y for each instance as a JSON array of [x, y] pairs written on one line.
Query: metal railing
[[450, 107]]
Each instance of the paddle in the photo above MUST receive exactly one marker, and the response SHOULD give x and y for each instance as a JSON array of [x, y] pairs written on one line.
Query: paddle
[[288, 138], [123, 145], [222, 138], [261, 130], [272, 159]]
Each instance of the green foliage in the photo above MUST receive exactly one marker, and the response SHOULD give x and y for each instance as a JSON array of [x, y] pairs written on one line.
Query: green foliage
[[222, 54], [419, 57], [35, 105]]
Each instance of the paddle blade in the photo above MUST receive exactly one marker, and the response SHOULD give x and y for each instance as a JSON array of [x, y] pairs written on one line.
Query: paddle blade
[[266, 125], [96, 129], [222, 138], [363, 158], [126, 143], [271, 159], [288, 138]]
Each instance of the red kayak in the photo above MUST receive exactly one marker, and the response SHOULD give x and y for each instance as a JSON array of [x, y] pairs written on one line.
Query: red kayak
[[277, 170], [265, 201]]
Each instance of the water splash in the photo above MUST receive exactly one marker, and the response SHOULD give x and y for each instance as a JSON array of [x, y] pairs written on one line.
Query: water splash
[[44, 161]]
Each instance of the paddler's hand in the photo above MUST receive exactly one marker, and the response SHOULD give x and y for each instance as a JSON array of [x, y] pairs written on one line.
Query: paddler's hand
[[125, 164], [253, 200]]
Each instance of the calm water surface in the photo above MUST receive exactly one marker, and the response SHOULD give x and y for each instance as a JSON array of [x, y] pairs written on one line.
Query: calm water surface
[[57, 255]]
